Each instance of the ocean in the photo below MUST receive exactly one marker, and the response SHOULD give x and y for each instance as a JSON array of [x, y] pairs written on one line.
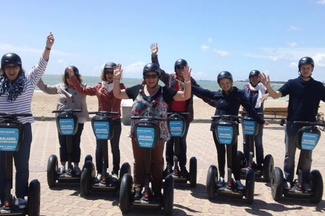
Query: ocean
[[51, 79]]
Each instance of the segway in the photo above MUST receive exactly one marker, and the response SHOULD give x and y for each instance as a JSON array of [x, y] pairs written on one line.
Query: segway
[[306, 140], [11, 135], [176, 125], [103, 129], [147, 133], [250, 130], [227, 134], [67, 125]]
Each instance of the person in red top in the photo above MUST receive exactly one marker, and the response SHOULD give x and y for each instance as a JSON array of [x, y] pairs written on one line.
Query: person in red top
[[176, 81], [106, 102]]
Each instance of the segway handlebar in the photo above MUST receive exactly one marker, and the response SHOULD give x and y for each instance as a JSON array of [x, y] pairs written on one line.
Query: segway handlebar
[[2, 115], [104, 113], [149, 118], [180, 113], [227, 117], [66, 110]]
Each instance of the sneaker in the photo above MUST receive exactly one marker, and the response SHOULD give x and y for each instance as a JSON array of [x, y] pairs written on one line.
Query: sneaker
[[184, 172], [240, 186], [77, 170], [306, 187], [287, 185], [137, 194], [21, 203], [168, 170], [61, 170], [221, 182], [99, 177], [114, 174]]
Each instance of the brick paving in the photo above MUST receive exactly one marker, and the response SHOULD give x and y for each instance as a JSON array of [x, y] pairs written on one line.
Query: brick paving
[[65, 198]]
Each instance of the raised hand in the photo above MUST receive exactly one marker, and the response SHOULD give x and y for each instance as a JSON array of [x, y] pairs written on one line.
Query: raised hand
[[154, 48]]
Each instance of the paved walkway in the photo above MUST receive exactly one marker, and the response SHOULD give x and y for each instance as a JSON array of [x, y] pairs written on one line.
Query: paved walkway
[[65, 199]]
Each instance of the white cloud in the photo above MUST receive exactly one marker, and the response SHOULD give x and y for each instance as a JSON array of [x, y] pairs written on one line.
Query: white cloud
[[293, 28], [134, 69], [221, 52], [209, 40], [204, 47], [292, 44], [321, 2]]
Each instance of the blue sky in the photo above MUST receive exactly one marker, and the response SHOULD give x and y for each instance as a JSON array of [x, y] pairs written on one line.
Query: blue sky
[[212, 35]]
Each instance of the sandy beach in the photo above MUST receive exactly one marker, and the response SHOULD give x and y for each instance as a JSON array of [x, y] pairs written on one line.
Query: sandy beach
[[43, 104]]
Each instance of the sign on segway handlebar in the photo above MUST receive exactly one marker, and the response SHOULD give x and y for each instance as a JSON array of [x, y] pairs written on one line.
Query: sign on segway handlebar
[[176, 123], [67, 121], [102, 125], [308, 136], [250, 127], [226, 129], [11, 131]]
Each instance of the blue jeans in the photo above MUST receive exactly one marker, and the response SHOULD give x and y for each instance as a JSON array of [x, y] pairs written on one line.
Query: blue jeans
[[115, 148], [76, 152], [21, 159], [290, 151], [182, 149], [258, 140]]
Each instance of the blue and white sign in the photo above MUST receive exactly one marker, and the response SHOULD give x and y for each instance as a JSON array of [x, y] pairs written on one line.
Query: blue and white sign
[[101, 130], [9, 138], [225, 134], [66, 126], [145, 137], [309, 141], [249, 127], [176, 128]]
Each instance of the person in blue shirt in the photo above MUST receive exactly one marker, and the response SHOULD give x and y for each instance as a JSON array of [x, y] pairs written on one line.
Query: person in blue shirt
[[227, 102], [305, 94], [256, 94]]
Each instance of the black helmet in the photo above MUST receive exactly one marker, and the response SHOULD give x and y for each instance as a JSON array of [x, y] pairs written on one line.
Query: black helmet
[[180, 62], [10, 58], [151, 67], [223, 75], [306, 60], [109, 65], [254, 73], [74, 68]]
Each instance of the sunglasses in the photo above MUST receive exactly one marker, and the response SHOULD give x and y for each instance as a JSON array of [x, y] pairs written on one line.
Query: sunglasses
[[108, 72], [14, 67], [153, 76], [180, 67]]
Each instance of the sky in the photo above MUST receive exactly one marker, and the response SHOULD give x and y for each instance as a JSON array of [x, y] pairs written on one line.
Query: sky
[[211, 35]]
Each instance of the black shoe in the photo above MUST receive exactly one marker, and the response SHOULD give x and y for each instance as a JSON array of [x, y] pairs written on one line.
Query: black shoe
[[115, 174], [168, 170], [137, 194], [306, 187], [239, 185], [184, 172], [221, 182]]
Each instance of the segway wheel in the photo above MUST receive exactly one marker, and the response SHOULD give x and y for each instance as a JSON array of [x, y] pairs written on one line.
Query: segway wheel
[[211, 181], [85, 179], [277, 183], [316, 181], [34, 198], [126, 168], [125, 198], [52, 167], [168, 195], [268, 166], [250, 186], [241, 159], [193, 171]]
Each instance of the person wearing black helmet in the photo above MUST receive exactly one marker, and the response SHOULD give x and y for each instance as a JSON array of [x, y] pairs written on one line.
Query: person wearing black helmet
[[150, 99], [106, 102], [256, 94], [227, 101], [16, 92], [69, 98], [305, 94], [176, 81]]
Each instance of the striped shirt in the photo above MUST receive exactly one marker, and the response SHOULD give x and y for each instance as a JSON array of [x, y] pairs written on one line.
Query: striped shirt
[[22, 104]]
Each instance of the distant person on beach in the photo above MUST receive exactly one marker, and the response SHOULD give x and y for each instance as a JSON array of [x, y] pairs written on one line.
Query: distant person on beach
[[151, 99], [16, 92], [106, 102], [176, 81], [69, 98], [227, 101], [305, 94], [256, 94]]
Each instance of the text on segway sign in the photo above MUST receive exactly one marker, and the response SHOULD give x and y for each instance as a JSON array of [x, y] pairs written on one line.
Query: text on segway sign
[[9, 139]]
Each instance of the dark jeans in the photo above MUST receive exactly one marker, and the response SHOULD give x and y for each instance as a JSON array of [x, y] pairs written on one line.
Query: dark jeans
[[258, 141], [21, 159], [182, 149], [76, 152], [233, 162], [156, 168], [290, 152], [115, 149]]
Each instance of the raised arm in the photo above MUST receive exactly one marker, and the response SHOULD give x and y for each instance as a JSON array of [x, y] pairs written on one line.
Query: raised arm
[[164, 77], [48, 46], [117, 91], [77, 85], [186, 94], [266, 82], [47, 88]]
